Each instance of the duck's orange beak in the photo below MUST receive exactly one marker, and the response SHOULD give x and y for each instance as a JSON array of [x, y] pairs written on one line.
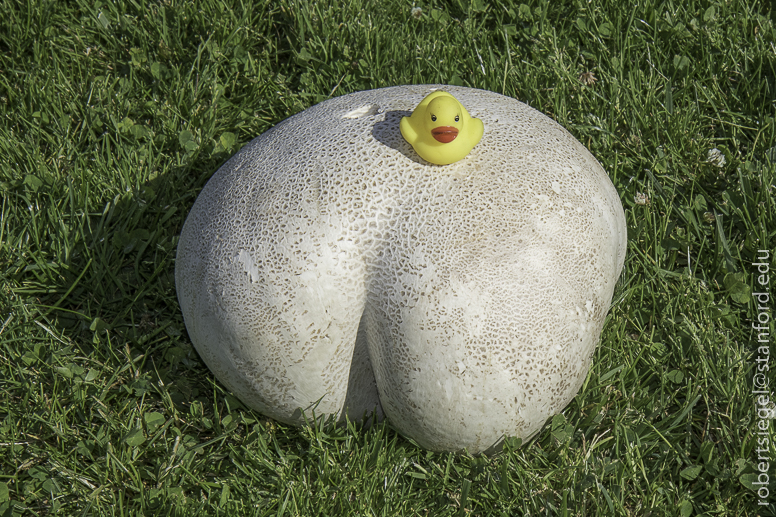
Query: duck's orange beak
[[444, 134]]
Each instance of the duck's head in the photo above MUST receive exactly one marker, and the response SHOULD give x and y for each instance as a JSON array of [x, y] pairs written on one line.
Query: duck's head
[[444, 118]]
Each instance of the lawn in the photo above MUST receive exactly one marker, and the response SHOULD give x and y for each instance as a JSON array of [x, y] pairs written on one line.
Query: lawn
[[115, 113]]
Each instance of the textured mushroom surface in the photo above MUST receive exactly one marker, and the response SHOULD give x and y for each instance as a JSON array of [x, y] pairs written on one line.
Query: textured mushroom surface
[[327, 265]]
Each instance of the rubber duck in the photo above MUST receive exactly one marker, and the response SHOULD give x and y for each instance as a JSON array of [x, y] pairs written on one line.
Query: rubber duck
[[441, 130]]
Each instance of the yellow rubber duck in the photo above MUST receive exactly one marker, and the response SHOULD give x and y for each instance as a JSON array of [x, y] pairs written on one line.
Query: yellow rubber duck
[[440, 129]]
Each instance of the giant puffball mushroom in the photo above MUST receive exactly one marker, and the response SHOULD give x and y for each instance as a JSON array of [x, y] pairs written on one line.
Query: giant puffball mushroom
[[327, 266]]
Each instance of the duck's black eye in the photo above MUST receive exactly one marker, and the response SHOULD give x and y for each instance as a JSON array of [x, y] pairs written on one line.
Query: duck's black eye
[[456, 118], [433, 118]]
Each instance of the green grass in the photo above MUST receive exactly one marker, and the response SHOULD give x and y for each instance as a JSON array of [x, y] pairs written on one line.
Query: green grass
[[115, 113]]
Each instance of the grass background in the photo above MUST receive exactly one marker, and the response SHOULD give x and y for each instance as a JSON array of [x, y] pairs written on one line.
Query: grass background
[[115, 114]]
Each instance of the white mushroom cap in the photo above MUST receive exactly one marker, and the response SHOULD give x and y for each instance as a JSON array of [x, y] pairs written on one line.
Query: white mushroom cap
[[480, 288]]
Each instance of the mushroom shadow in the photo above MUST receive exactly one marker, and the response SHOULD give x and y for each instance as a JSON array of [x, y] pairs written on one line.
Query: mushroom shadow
[[362, 399]]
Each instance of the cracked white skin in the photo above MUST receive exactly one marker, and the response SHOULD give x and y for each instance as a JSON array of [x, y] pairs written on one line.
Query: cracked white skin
[[326, 262]]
